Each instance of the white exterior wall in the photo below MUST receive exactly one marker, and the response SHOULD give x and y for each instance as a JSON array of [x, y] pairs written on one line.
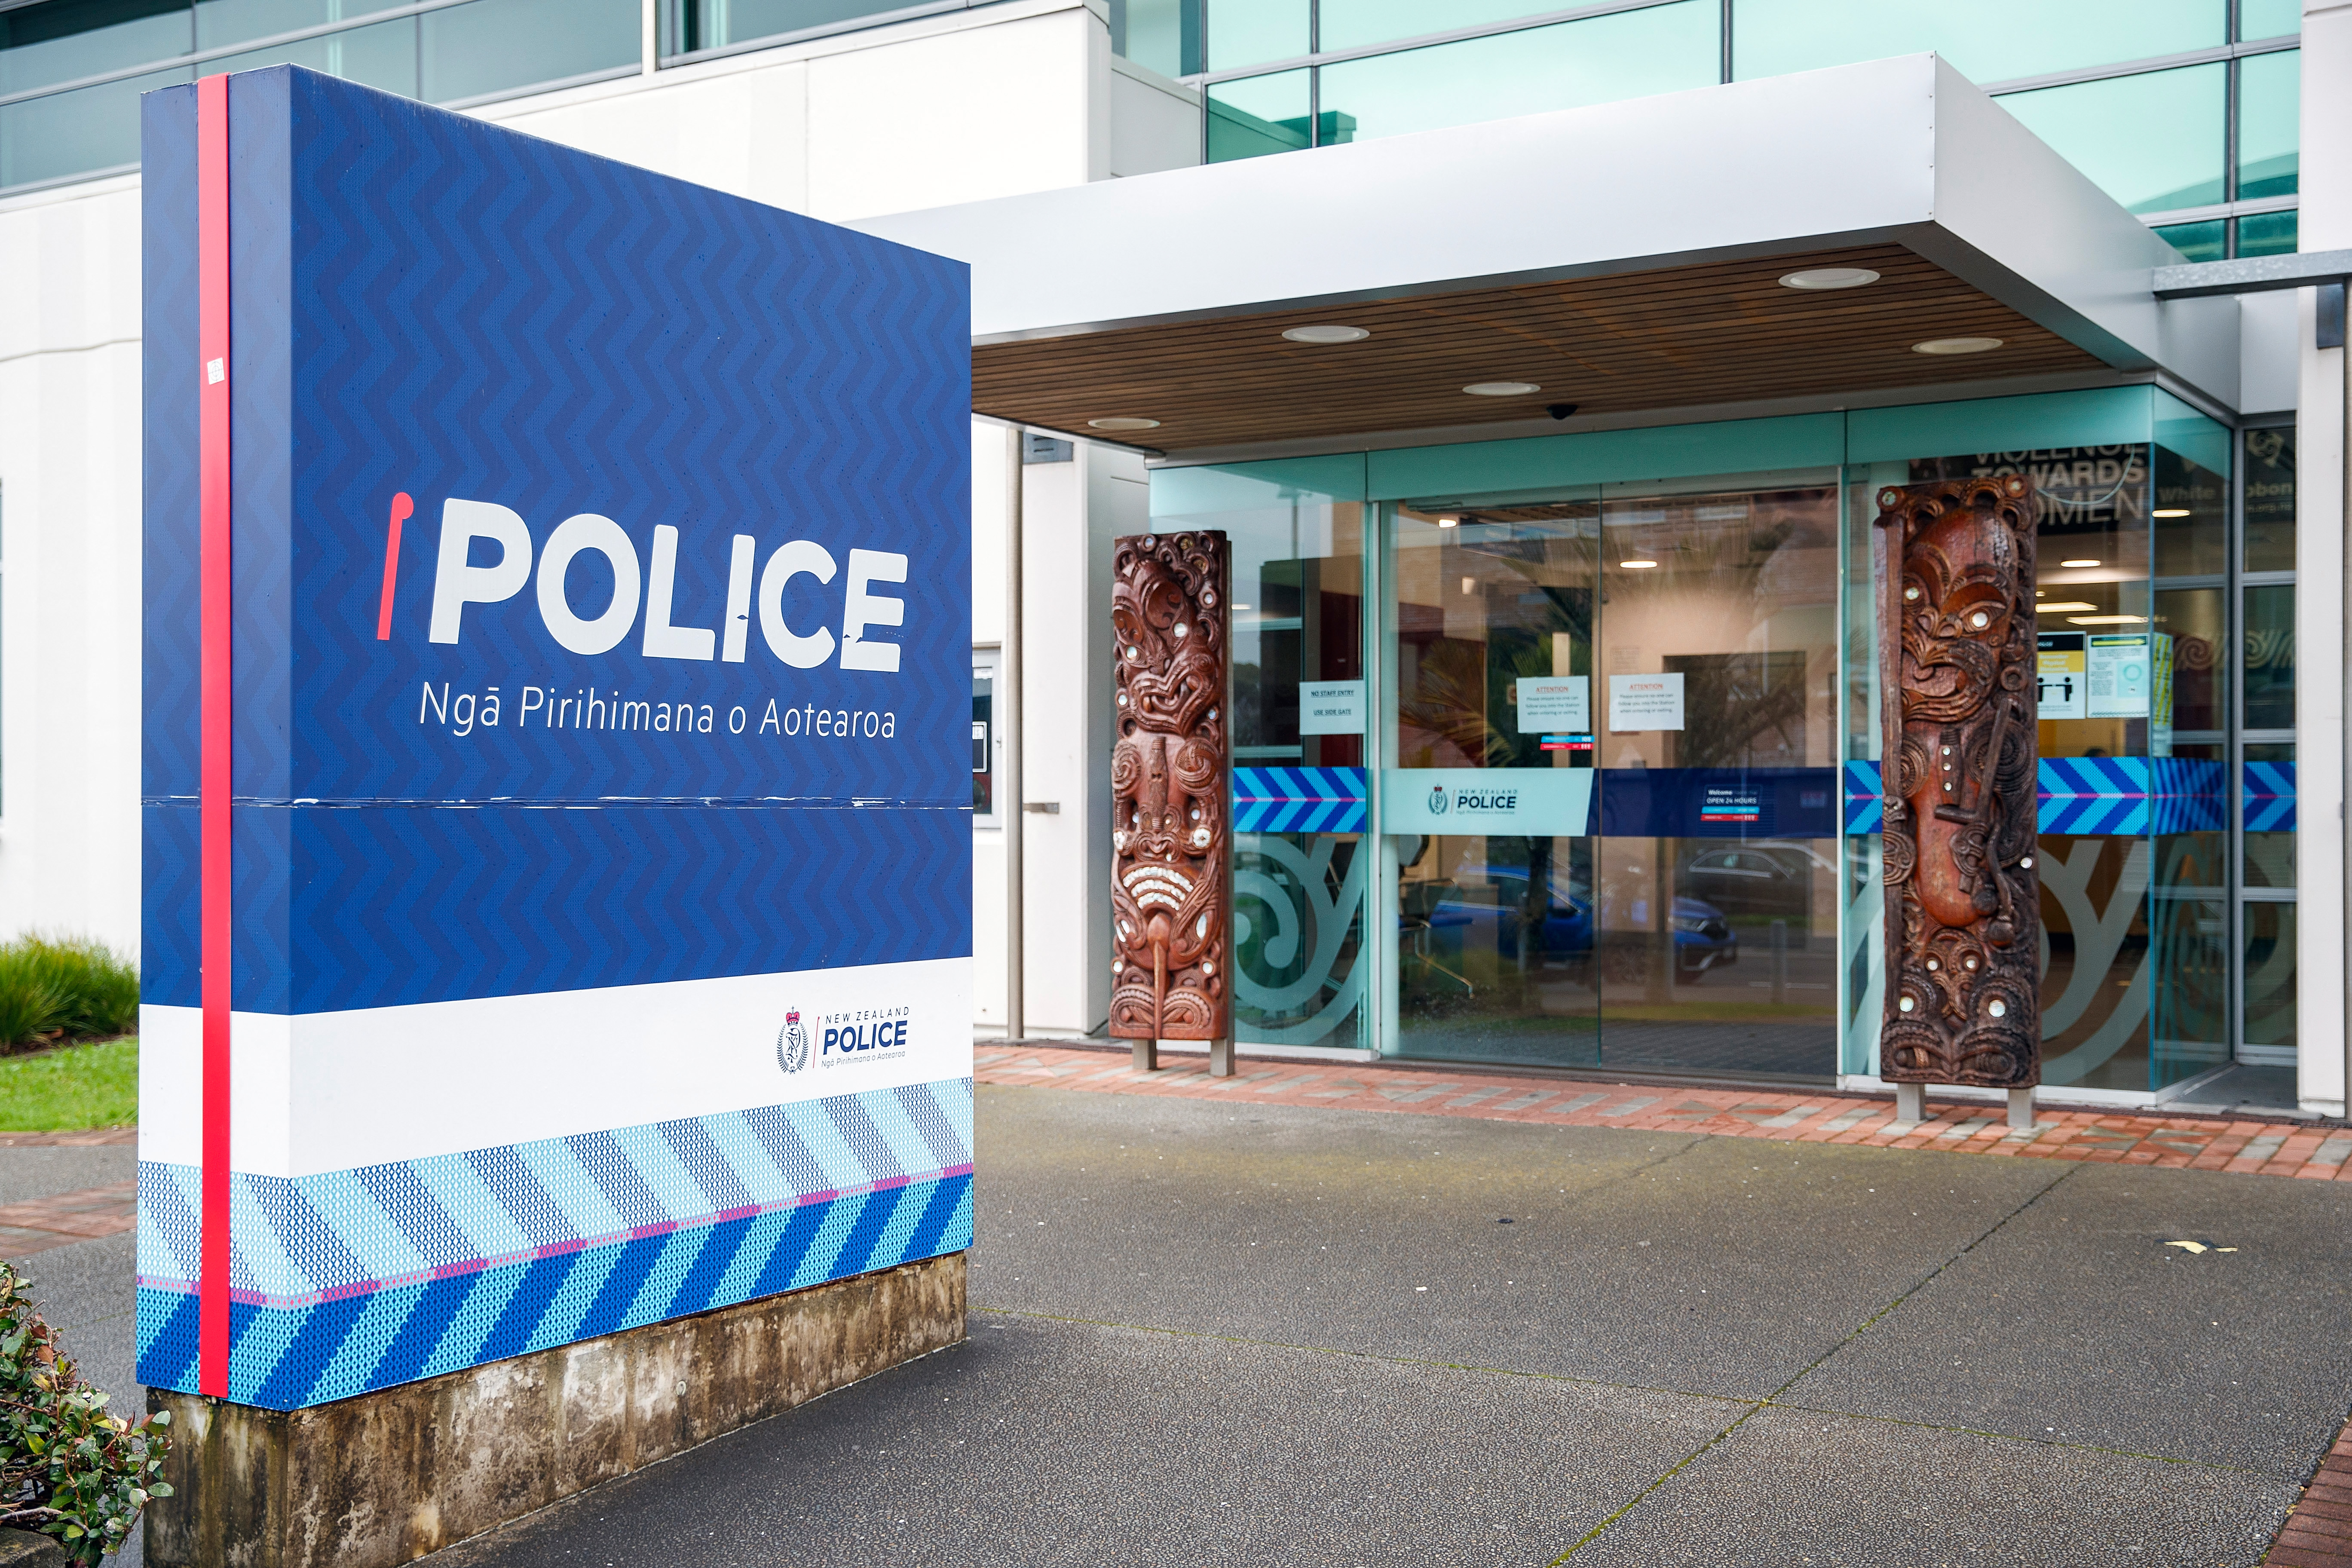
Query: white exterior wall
[[69, 601], [2325, 224]]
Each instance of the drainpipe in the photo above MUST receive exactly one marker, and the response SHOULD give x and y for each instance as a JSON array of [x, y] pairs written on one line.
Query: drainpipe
[[1008, 719]]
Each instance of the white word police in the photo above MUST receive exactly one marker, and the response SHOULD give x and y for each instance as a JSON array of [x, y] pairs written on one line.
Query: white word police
[[456, 584]]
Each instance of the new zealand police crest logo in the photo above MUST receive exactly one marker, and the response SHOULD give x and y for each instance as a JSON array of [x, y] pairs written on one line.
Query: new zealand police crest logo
[[1437, 800], [792, 1044]]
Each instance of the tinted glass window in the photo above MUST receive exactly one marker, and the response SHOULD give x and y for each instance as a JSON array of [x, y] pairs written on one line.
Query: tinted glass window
[[1986, 40], [2152, 141]]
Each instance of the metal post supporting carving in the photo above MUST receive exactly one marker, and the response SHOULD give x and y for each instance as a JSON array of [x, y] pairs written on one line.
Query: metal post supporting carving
[[1957, 662], [1170, 779]]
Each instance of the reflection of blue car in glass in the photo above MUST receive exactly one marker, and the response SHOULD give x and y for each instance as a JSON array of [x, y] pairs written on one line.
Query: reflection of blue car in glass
[[1704, 940]]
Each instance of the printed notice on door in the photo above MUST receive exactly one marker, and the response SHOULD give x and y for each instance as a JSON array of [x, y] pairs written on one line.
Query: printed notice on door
[[1330, 707], [2066, 684], [1645, 701], [2121, 675], [1555, 703]]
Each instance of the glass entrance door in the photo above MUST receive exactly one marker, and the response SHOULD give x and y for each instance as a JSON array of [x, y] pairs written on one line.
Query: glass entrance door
[[1611, 792]]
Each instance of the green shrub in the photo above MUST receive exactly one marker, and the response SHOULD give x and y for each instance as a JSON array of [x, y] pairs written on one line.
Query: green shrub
[[67, 1469], [64, 989]]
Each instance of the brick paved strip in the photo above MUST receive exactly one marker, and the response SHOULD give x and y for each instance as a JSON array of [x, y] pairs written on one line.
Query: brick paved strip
[[2264, 1148], [2319, 1529], [95, 1137], [64, 1218]]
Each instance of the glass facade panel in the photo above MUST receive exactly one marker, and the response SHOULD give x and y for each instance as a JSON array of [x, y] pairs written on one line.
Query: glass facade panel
[[1251, 32], [2269, 114], [2268, 234], [1298, 724], [2269, 18], [2198, 241], [1258, 115], [2193, 645], [2268, 791], [1161, 35], [983, 742], [2270, 976], [499, 45], [1986, 40], [713, 23], [2191, 517], [384, 55], [2269, 499], [1354, 24], [2153, 142], [223, 22], [2269, 656], [1630, 54], [76, 132], [68, 39]]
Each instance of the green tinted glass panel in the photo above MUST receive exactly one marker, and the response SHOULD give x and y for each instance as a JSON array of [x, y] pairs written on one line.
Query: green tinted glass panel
[[2189, 1005], [1628, 55], [60, 42], [2266, 233], [2192, 518], [2152, 141], [2269, 18], [76, 132], [1986, 40], [1352, 24], [714, 24], [500, 46], [2270, 98], [1161, 35], [2196, 621], [2270, 974], [2270, 657], [1258, 115], [1251, 32], [2269, 499], [2197, 241]]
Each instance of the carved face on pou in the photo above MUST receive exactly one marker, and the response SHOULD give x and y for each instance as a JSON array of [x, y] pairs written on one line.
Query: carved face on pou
[[1169, 789], [1958, 613]]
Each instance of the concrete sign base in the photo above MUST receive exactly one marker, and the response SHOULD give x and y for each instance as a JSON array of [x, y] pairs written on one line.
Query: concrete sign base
[[387, 1477]]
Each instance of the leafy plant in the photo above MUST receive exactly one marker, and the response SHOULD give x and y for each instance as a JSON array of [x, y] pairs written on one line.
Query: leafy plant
[[67, 1468], [64, 989]]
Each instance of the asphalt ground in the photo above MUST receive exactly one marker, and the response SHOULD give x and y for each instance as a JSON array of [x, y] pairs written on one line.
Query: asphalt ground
[[1210, 1334], [1213, 1333]]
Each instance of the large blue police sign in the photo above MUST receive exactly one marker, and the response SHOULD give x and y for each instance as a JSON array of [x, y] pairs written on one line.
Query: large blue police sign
[[556, 818]]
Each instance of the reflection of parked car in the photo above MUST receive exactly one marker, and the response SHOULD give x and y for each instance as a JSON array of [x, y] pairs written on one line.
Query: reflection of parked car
[[1773, 879], [1704, 940]]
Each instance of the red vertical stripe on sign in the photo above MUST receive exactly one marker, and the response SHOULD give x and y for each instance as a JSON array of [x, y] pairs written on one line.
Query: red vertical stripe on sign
[[215, 779], [400, 506]]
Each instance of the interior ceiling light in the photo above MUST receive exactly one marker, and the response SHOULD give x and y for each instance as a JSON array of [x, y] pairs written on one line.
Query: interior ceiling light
[[1328, 334], [2106, 620], [1956, 346], [1122, 424], [2078, 564], [1637, 565], [1818, 278], [1449, 521], [2068, 604], [2170, 511], [1501, 388]]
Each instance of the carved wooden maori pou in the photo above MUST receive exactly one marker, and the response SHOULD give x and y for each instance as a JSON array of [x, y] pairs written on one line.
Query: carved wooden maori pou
[[1957, 669], [1172, 839]]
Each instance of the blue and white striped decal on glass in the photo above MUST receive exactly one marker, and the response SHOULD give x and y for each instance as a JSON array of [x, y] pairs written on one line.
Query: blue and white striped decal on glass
[[1298, 800], [2269, 797], [2093, 796]]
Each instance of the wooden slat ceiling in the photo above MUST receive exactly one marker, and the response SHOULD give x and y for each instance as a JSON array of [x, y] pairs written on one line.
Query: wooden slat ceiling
[[1718, 332]]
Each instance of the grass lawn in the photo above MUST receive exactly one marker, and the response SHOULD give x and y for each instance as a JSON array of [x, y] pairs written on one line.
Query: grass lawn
[[70, 1089]]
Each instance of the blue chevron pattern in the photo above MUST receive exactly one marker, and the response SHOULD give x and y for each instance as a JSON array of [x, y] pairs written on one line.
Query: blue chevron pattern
[[2268, 796], [358, 1279], [1298, 800], [2088, 797], [1865, 804]]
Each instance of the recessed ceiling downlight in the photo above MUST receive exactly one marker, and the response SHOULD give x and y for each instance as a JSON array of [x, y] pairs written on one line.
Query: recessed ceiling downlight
[[2079, 563], [1637, 565], [1820, 278], [2169, 511], [1122, 424], [1328, 334], [1956, 346], [1501, 388]]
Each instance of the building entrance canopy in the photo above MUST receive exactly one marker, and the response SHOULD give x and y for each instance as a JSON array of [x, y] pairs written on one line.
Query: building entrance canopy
[[1625, 258]]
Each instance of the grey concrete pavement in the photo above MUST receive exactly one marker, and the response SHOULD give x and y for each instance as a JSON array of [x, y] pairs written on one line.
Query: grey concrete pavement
[[1263, 1334]]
